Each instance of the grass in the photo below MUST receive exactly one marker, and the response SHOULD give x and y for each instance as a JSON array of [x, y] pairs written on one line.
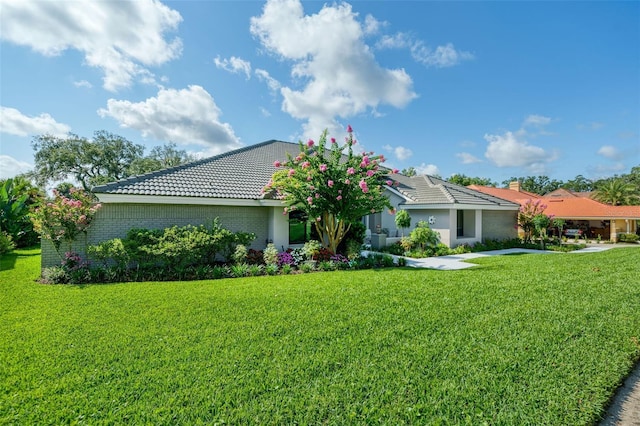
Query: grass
[[521, 339]]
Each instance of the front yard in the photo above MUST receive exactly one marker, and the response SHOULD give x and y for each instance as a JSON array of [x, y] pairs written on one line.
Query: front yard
[[522, 339]]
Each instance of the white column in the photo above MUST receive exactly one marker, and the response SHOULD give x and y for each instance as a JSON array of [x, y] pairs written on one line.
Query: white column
[[478, 234], [279, 228]]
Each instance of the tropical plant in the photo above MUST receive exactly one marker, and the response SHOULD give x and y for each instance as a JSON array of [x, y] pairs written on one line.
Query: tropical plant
[[617, 192], [403, 220], [331, 188], [423, 236]]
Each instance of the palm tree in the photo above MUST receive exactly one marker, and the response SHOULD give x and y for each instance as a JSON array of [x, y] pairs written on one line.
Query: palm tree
[[617, 192]]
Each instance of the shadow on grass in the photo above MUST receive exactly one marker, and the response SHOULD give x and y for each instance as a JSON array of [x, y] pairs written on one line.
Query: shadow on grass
[[8, 260]]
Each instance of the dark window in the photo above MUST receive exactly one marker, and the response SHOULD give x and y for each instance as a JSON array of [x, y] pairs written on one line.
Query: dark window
[[460, 223], [299, 228]]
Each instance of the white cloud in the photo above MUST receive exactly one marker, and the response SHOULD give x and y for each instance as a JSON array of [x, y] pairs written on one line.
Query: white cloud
[[402, 153], [263, 75], [610, 152], [508, 151], [442, 57], [120, 37], [187, 116], [467, 158], [427, 169], [83, 83], [397, 41], [10, 167], [234, 65], [372, 25], [536, 120], [14, 122], [329, 57]]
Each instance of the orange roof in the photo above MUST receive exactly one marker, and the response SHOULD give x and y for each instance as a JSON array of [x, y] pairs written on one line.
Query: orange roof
[[566, 208]]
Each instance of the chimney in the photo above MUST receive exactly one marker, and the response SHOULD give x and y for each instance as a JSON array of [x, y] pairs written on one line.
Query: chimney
[[515, 186]]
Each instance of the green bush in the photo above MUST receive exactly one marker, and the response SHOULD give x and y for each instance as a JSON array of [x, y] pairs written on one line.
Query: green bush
[[270, 255], [628, 238], [54, 275], [423, 236], [6, 243]]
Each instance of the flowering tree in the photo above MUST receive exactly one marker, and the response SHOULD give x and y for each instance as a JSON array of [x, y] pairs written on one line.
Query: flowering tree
[[528, 212], [333, 186], [63, 219]]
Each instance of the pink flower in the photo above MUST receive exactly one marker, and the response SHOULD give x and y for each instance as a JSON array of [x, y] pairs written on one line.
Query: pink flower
[[309, 200], [317, 195], [349, 129], [333, 140], [389, 183], [392, 211], [354, 142], [291, 172], [363, 186], [339, 191], [276, 163], [308, 178], [318, 219], [351, 171], [370, 173], [339, 197], [347, 182], [310, 143], [323, 167], [330, 184], [395, 171], [305, 164]]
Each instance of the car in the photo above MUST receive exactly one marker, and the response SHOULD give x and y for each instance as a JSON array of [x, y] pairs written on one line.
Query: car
[[572, 232]]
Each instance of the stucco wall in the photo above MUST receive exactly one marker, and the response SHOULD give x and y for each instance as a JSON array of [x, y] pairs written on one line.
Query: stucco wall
[[114, 220], [499, 225]]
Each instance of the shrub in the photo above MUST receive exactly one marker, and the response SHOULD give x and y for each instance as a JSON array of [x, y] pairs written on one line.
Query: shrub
[[239, 270], [285, 258], [326, 265], [271, 269], [271, 255], [353, 249], [307, 266], [286, 269], [257, 270], [240, 253], [255, 257], [111, 251], [628, 238], [323, 255], [6, 243], [54, 275]]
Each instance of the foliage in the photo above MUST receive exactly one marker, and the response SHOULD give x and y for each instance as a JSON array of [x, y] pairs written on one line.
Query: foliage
[[107, 157], [240, 254], [311, 248], [63, 219], [333, 189], [110, 251], [17, 197], [270, 255], [579, 184], [409, 172], [423, 236], [541, 222], [617, 192], [528, 211], [536, 184], [628, 238], [403, 220], [255, 257], [6, 243], [463, 180]]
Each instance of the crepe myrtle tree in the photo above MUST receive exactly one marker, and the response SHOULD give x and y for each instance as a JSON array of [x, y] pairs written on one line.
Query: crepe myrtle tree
[[333, 186]]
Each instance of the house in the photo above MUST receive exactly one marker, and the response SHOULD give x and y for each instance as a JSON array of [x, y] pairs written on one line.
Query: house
[[229, 186], [577, 209]]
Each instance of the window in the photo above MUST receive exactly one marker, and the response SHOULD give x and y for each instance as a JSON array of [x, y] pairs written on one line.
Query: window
[[299, 228], [460, 223]]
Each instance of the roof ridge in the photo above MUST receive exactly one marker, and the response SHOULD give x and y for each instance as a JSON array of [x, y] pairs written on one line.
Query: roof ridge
[[167, 170]]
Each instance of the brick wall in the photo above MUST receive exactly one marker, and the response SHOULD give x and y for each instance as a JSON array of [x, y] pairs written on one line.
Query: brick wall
[[499, 225], [114, 220]]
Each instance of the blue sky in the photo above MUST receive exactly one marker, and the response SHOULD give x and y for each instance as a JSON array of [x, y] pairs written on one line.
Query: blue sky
[[490, 89]]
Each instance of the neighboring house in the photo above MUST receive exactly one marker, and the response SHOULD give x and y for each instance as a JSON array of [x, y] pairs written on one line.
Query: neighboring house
[[577, 209], [229, 186]]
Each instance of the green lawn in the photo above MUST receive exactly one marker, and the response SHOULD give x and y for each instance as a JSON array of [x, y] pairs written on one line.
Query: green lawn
[[522, 339]]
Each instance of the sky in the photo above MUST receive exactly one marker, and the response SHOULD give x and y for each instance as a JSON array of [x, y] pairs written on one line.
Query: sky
[[492, 89]]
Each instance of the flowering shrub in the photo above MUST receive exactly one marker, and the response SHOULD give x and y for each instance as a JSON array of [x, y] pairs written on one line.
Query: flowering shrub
[[285, 258], [63, 219], [298, 256], [528, 211], [333, 188], [255, 257], [72, 262]]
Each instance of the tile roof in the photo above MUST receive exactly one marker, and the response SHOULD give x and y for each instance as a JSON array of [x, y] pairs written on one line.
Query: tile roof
[[241, 174], [424, 189], [571, 207]]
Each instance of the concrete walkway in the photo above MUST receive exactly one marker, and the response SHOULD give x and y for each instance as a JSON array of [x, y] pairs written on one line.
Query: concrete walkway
[[624, 409]]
